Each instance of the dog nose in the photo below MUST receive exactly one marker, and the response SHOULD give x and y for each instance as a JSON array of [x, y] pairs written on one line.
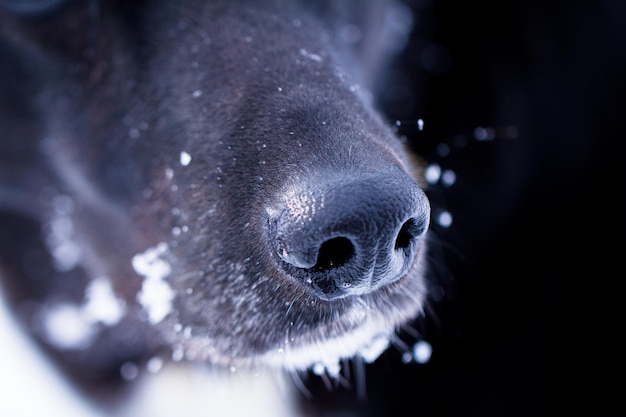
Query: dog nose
[[346, 237]]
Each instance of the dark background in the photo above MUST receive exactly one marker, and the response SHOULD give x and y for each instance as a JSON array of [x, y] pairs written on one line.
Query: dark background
[[531, 269]]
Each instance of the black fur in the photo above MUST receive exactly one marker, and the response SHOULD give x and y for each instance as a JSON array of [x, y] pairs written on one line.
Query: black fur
[[158, 134]]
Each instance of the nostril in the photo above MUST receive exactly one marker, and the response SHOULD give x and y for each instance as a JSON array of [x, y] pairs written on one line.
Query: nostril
[[410, 230], [334, 253], [348, 236]]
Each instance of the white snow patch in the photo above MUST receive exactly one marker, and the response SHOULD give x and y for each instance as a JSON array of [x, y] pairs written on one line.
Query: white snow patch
[[330, 368], [102, 305], [30, 383], [67, 327], [178, 353], [62, 247], [191, 390], [185, 158], [155, 295], [154, 365], [311, 55]]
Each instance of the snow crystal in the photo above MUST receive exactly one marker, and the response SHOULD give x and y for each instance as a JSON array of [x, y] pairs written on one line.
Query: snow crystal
[[65, 251], [102, 305], [185, 158], [154, 365], [444, 219], [448, 177], [420, 124], [484, 133], [432, 173], [422, 351], [330, 368], [318, 369], [70, 326], [129, 371], [310, 55], [66, 327], [178, 354], [155, 295]]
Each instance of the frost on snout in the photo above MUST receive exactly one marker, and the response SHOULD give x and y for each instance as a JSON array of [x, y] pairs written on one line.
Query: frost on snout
[[156, 295], [194, 137]]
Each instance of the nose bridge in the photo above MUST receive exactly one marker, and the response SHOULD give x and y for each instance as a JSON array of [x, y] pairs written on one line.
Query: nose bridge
[[368, 211]]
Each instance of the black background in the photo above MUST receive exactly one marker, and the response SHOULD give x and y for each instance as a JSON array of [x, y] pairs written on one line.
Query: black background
[[531, 318]]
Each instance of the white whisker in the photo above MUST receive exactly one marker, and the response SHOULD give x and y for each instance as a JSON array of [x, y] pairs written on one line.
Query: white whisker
[[361, 301], [299, 384], [292, 302], [359, 378]]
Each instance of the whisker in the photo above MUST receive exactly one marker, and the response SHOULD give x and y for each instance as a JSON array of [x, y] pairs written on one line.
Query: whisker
[[403, 348], [399, 343], [299, 384], [342, 381], [345, 367], [359, 378], [412, 331], [292, 302], [327, 382], [363, 303]]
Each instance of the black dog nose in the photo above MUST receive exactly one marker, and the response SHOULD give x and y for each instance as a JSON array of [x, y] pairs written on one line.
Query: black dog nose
[[350, 236]]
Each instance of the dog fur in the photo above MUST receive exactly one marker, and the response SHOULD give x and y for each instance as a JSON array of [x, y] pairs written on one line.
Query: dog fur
[[145, 146]]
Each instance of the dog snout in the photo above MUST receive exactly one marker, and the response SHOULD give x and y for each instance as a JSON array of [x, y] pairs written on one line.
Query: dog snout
[[349, 236]]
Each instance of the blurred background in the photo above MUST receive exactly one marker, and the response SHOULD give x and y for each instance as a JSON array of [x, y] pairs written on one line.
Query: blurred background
[[523, 105]]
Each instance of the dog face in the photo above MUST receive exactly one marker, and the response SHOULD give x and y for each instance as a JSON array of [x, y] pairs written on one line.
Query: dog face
[[206, 180]]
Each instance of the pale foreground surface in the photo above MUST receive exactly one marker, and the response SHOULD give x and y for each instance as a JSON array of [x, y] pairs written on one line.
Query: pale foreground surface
[[31, 387]]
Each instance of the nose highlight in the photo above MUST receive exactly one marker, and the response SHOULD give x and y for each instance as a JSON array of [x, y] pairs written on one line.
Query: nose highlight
[[350, 236]]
